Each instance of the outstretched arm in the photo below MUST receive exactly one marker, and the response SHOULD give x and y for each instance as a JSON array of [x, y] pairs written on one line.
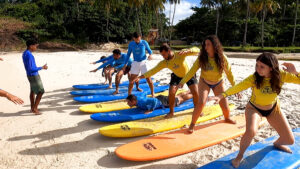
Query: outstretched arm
[[11, 97]]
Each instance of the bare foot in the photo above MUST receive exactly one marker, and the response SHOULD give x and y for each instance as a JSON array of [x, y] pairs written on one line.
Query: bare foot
[[105, 82], [139, 89], [230, 121], [109, 87], [191, 128], [116, 92], [236, 162], [169, 115], [283, 148], [36, 112]]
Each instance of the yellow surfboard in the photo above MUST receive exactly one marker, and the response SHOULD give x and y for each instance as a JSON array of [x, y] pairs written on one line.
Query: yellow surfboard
[[113, 105], [159, 124]]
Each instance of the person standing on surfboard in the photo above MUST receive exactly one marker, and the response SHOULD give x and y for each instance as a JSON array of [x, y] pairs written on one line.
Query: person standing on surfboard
[[36, 85], [266, 84], [106, 70], [9, 96], [175, 61], [149, 104], [138, 48], [213, 63], [117, 62]]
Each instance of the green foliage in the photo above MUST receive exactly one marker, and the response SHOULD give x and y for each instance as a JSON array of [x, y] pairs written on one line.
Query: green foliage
[[78, 21]]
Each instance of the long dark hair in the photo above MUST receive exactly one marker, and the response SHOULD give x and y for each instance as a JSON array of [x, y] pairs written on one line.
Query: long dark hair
[[270, 60], [219, 57]]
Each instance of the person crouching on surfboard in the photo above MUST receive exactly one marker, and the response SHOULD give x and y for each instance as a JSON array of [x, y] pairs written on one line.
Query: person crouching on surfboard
[[151, 103], [175, 61], [117, 62], [213, 63], [266, 84], [106, 71]]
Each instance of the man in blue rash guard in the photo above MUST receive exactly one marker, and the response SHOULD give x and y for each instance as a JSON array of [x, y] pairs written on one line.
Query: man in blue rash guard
[[117, 63], [36, 85], [138, 47], [149, 104]]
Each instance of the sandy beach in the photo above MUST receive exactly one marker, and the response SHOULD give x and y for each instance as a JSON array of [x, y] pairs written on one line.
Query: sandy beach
[[64, 137]]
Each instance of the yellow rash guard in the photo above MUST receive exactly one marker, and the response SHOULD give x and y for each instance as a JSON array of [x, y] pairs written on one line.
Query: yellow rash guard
[[212, 73], [178, 65], [263, 96]]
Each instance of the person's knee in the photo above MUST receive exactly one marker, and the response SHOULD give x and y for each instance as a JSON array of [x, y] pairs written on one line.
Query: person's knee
[[251, 132], [290, 140], [202, 101]]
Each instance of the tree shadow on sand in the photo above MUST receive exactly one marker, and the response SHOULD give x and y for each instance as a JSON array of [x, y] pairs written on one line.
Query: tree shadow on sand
[[89, 143]]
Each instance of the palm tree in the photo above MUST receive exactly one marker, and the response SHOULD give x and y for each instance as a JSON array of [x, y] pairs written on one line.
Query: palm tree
[[214, 4], [175, 2], [264, 6], [295, 22], [137, 4], [246, 23]]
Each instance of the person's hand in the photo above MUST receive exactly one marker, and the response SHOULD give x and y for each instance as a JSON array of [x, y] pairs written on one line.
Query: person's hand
[[150, 57], [184, 52], [45, 66], [93, 63], [148, 111], [93, 71], [14, 99], [217, 99], [136, 79], [289, 67], [239, 95], [1, 59], [179, 86]]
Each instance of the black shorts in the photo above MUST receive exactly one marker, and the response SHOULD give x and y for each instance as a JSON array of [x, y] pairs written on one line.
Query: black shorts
[[175, 80], [165, 100], [127, 69]]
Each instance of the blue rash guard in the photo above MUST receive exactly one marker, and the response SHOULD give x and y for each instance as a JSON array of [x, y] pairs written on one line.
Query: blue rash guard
[[105, 59], [117, 64], [138, 50], [148, 104], [29, 63]]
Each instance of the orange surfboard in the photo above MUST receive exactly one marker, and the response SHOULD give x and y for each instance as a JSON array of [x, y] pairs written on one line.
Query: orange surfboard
[[181, 142]]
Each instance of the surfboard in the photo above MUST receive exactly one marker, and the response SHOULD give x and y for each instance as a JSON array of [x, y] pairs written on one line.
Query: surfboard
[[263, 155], [114, 105], [136, 113], [108, 91], [181, 142], [159, 124], [103, 86], [105, 98]]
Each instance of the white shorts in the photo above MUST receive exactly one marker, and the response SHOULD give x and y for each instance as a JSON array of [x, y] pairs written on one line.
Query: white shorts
[[138, 67]]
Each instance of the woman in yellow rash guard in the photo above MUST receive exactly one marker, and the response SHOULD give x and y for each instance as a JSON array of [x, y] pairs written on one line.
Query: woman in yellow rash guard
[[213, 64], [266, 84]]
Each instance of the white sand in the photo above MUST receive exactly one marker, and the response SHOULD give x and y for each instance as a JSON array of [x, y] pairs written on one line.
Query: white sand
[[63, 137]]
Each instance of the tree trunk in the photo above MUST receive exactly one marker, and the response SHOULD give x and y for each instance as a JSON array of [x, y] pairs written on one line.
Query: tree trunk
[[107, 22], [246, 25], [217, 24], [262, 27], [138, 22], [295, 23], [172, 21], [284, 9]]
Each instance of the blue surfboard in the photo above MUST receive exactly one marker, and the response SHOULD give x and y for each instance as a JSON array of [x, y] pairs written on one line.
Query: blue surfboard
[[263, 155], [103, 86], [105, 98], [143, 86], [136, 113]]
